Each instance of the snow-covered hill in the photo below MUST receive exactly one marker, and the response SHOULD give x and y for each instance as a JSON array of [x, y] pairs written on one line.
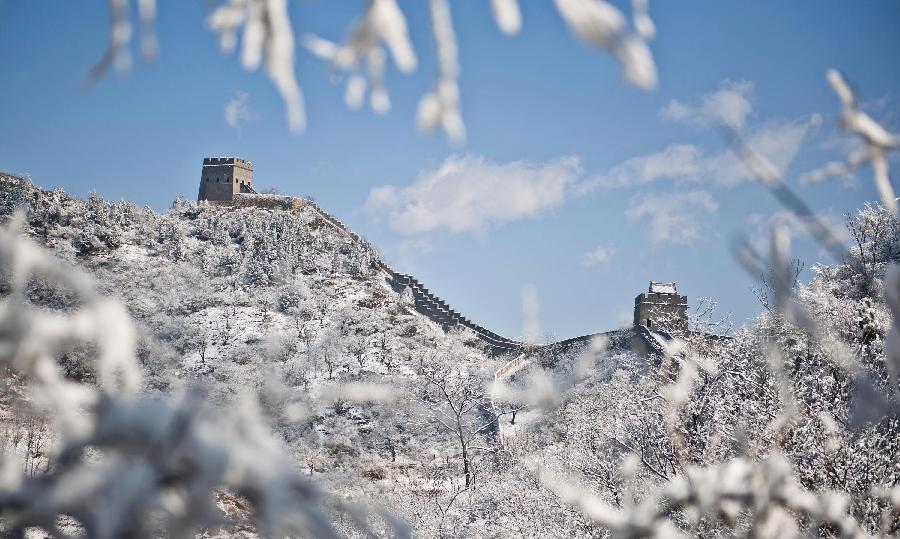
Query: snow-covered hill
[[290, 311], [283, 305]]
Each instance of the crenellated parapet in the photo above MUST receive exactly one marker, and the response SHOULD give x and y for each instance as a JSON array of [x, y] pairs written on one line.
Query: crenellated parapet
[[441, 313], [661, 307]]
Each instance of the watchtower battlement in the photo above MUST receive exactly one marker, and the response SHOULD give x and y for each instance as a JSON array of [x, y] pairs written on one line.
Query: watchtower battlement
[[237, 161], [223, 177], [661, 308]]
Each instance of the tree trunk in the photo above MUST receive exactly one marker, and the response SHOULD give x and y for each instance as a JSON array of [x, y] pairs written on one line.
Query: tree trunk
[[465, 452]]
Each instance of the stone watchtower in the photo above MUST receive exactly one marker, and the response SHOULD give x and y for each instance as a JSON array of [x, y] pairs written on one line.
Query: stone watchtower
[[222, 177], [661, 308]]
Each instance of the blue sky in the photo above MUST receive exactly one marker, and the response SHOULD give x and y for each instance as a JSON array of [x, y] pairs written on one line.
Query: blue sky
[[617, 186]]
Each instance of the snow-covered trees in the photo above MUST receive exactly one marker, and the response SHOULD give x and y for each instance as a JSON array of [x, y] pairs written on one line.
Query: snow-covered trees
[[804, 409], [789, 424], [161, 457]]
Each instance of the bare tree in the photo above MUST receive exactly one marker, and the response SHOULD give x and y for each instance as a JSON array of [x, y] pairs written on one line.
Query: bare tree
[[765, 293], [455, 401], [357, 345]]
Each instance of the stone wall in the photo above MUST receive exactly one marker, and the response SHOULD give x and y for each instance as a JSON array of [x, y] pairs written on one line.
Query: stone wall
[[426, 303], [440, 312], [271, 202]]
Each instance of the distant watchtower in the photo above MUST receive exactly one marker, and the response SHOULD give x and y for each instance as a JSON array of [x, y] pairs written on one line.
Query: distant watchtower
[[222, 177], [661, 308]]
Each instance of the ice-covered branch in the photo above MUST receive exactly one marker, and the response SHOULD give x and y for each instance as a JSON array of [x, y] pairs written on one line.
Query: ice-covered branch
[[440, 107], [507, 15], [602, 25], [767, 490], [876, 140], [120, 33], [381, 24], [267, 40]]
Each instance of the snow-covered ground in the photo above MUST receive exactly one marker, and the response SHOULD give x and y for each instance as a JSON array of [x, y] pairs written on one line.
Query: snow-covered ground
[[294, 312]]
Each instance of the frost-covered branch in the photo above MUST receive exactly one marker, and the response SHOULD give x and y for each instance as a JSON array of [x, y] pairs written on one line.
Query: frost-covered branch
[[382, 24], [267, 39], [599, 23], [440, 107], [120, 33], [767, 490], [876, 140]]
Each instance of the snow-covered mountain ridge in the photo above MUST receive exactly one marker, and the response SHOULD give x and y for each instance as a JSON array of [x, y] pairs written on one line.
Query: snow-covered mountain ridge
[[286, 311]]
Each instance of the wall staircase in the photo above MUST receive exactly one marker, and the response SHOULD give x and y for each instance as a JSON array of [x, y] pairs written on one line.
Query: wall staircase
[[440, 312]]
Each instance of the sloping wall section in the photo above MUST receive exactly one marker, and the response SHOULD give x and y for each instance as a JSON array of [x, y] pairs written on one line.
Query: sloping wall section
[[439, 311], [426, 303]]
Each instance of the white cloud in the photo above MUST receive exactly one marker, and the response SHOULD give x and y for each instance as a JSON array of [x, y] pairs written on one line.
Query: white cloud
[[469, 194], [675, 218], [729, 105], [676, 162], [778, 141], [237, 110], [596, 256]]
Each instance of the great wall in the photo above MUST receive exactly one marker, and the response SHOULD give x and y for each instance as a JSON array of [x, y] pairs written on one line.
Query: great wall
[[424, 302], [228, 181], [639, 338]]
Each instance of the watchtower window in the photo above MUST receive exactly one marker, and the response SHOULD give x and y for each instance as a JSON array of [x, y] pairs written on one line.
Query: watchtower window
[[649, 323]]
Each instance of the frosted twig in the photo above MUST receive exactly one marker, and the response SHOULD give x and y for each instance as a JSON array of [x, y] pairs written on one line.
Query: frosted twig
[[717, 491], [267, 40], [507, 15], [602, 25], [774, 182], [440, 107], [120, 33], [877, 143], [382, 23]]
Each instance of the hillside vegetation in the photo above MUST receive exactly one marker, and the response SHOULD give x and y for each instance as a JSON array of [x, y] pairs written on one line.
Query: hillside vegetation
[[376, 404]]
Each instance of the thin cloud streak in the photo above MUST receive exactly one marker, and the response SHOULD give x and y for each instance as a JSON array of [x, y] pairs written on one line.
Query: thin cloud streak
[[778, 140], [600, 254]]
